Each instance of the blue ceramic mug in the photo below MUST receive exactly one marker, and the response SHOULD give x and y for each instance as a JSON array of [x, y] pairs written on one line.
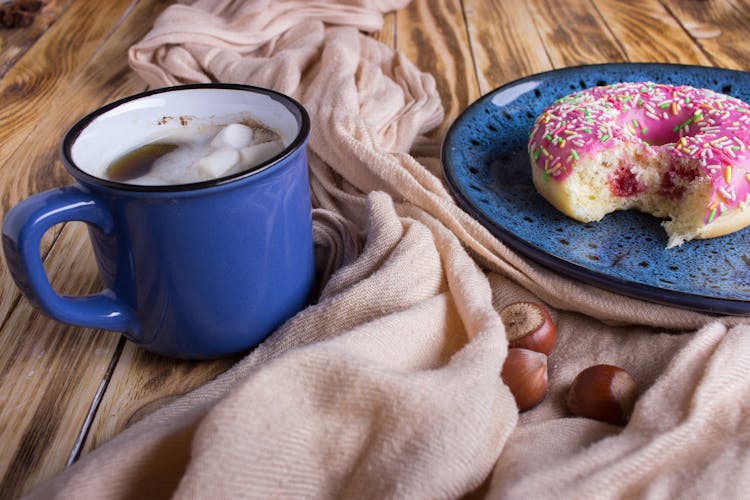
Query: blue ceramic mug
[[195, 270]]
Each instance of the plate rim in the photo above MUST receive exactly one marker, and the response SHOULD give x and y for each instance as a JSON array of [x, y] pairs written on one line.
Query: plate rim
[[644, 291]]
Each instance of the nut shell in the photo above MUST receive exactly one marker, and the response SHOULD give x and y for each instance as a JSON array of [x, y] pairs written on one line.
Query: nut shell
[[529, 325], [603, 392], [525, 374]]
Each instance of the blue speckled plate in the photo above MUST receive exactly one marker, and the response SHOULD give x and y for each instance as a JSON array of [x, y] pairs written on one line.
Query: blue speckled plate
[[488, 171]]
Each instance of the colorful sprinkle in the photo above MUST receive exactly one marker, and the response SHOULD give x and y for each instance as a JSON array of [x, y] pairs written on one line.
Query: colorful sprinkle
[[711, 216], [715, 134]]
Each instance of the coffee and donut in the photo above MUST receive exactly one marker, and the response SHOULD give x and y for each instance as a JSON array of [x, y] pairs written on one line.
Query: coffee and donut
[[676, 152]]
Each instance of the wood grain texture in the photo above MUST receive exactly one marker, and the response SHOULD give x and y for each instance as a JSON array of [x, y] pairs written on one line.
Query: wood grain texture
[[720, 28], [15, 42], [432, 34], [505, 42], [31, 88], [647, 32], [142, 383], [49, 373], [574, 33]]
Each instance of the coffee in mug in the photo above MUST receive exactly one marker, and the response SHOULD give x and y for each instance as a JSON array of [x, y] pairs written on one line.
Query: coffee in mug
[[197, 152]]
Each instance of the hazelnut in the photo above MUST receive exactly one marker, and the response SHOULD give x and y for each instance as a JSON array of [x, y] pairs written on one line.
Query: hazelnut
[[603, 392], [525, 374], [530, 326]]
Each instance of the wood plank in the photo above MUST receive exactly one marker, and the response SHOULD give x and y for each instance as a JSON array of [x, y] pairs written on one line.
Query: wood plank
[[574, 32], [432, 34], [720, 28], [647, 32], [49, 373], [30, 90], [504, 41], [642, 30], [15, 42], [143, 383]]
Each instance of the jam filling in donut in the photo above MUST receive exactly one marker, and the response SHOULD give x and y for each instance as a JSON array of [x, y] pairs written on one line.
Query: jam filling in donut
[[676, 152]]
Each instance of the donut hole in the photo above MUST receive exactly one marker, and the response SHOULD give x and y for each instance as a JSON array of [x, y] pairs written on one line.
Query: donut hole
[[670, 124], [664, 140]]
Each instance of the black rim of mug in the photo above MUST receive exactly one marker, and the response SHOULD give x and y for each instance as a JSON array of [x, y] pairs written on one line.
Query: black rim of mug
[[297, 110]]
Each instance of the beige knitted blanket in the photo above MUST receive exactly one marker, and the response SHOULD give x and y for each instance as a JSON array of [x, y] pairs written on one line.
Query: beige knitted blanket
[[388, 386]]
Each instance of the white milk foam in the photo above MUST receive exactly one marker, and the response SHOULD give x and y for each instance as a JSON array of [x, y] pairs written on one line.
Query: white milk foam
[[210, 151]]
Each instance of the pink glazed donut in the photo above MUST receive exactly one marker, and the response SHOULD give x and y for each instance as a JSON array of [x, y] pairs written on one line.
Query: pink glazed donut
[[675, 152]]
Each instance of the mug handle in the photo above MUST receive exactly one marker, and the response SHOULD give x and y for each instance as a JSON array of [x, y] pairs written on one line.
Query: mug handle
[[23, 228]]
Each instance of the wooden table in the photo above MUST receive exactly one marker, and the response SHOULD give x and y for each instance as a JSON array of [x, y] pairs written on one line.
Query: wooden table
[[66, 390]]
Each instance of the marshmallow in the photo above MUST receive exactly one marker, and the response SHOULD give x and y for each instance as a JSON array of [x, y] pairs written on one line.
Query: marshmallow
[[234, 135], [218, 162], [258, 153]]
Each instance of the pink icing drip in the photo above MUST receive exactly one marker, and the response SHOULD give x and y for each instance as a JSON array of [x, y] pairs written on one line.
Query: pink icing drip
[[709, 127]]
